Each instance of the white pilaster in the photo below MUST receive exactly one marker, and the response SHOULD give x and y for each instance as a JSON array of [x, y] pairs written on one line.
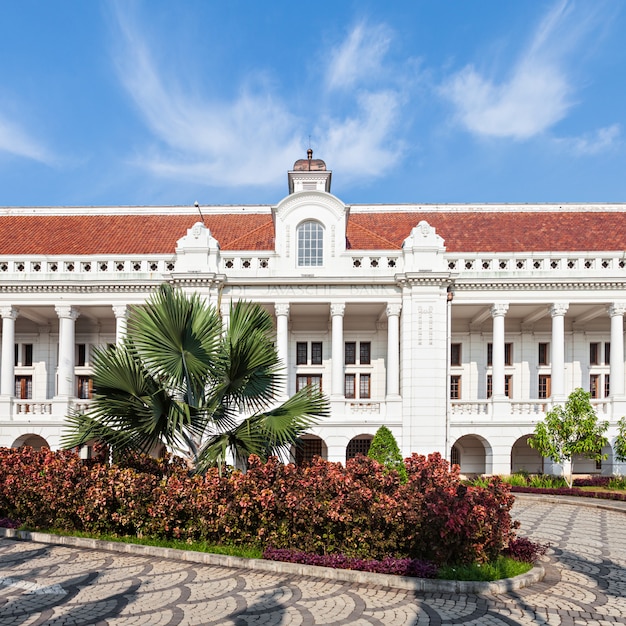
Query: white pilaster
[[121, 318], [616, 312], [393, 350], [67, 319], [7, 379], [282, 342], [336, 311], [498, 312], [558, 311]]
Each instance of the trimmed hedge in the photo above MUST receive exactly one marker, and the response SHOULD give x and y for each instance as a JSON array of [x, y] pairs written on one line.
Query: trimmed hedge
[[359, 511]]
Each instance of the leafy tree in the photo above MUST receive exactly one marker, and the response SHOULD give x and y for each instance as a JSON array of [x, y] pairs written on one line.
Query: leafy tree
[[384, 449], [620, 442], [571, 430], [181, 379]]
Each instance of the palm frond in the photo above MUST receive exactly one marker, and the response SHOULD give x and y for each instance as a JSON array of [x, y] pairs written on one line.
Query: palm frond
[[177, 336]]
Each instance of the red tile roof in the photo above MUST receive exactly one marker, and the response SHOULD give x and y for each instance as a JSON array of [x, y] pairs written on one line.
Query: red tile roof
[[474, 231], [126, 234], [495, 231]]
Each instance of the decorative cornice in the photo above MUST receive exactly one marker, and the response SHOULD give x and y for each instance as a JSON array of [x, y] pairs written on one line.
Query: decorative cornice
[[460, 285]]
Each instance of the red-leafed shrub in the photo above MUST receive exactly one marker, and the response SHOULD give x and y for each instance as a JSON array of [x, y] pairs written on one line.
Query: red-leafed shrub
[[458, 524], [389, 565], [42, 488], [523, 549], [360, 511]]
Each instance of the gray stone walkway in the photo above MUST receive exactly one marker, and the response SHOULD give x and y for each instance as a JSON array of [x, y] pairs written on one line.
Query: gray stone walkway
[[585, 583]]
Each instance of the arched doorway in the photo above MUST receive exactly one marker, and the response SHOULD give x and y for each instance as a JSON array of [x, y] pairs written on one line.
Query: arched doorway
[[473, 454], [524, 458], [358, 445], [309, 446], [36, 442]]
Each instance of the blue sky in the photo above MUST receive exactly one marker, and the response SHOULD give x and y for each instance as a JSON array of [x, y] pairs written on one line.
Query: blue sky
[[169, 101]]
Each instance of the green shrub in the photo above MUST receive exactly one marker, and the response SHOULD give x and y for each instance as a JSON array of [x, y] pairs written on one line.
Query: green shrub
[[384, 449]]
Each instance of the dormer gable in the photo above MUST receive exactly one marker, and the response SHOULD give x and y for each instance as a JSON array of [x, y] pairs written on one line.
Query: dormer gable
[[310, 229]]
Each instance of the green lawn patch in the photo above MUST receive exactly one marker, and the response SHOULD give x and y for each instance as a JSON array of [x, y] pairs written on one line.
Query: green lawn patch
[[503, 567]]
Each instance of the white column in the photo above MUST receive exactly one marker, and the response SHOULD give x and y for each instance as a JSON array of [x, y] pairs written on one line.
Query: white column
[[616, 311], [67, 318], [282, 342], [557, 349], [7, 379], [121, 318], [336, 312], [393, 349], [225, 313], [498, 311]]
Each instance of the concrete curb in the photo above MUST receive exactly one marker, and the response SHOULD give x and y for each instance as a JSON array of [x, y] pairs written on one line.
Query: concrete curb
[[276, 567], [593, 503]]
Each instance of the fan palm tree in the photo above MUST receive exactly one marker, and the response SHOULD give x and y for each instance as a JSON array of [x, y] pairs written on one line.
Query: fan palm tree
[[181, 379]]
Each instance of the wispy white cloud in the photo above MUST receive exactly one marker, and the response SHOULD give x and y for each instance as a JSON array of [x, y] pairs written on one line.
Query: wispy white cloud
[[538, 92], [251, 139], [365, 145], [16, 141], [597, 142], [360, 57]]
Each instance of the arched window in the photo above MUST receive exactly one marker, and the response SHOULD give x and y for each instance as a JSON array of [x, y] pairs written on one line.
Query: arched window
[[310, 244]]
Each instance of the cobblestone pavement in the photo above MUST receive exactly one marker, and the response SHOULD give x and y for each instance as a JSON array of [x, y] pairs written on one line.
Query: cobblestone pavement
[[585, 583]]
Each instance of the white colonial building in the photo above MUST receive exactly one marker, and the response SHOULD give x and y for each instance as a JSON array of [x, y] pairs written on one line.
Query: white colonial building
[[455, 326]]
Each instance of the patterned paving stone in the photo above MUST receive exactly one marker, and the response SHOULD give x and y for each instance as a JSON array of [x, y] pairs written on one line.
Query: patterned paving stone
[[585, 583]]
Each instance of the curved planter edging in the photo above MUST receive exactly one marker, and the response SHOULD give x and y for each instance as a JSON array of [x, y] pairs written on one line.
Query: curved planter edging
[[328, 573]]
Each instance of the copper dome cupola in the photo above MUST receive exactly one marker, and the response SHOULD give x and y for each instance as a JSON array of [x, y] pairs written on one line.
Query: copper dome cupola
[[309, 175]]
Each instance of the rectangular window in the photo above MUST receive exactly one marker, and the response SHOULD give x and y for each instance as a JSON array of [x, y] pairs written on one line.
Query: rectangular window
[[607, 353], [23, 387], [545, 389], [301, 353], [302, 380], [350, 386], [455, 387], [508, 385], [544, 356], [508, 354], [16, 359], [594, 385], [84, 388], [594, 353], [81, 354], [316, 353], [365, 353], [607, 385], [364, 386], [27, 354], [350, 353], [455, 354]]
